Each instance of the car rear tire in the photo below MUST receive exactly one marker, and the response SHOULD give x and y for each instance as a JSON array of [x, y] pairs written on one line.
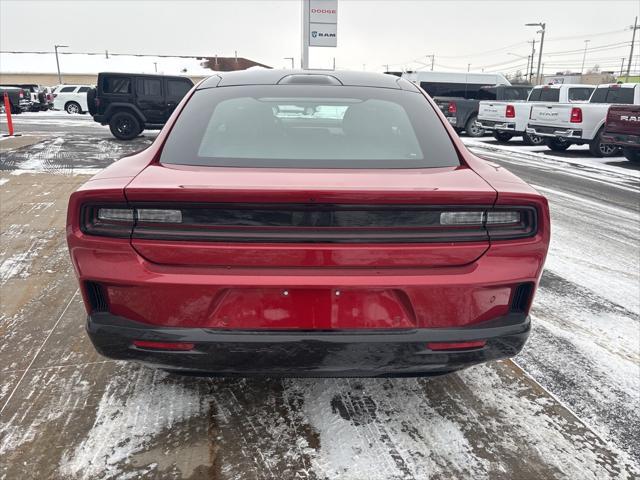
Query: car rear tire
[[124, 126], [632, 154], [502, 136], [73, 107], [532, 140], [557, 144], [472, 128], [599, 149]]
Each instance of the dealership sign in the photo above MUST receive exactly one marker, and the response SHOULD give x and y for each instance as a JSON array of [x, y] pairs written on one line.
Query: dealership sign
[[323, 23]]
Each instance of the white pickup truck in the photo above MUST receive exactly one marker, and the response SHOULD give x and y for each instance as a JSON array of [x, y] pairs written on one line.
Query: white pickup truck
[[566, 124], [509, 119]]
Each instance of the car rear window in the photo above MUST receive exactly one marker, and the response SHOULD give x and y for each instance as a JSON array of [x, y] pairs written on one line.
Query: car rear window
[[548, 95], [579, 94], [67, 89], [515, 93], [291, 126], [613, 95]]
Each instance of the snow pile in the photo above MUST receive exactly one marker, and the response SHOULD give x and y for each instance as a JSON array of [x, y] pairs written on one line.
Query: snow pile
[[93, 64]]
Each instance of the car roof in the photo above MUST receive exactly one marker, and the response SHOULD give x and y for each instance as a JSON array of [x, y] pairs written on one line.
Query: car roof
[[332, 77], [618, 85], [560, 85], [152, 75]]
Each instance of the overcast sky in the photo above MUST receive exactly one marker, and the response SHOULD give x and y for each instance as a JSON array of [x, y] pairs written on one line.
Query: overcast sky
[[370, 33]]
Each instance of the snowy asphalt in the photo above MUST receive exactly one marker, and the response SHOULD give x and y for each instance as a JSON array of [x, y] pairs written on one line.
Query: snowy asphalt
[[567, 407]]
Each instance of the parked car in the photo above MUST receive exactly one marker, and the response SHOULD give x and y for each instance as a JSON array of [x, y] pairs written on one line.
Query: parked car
[[622, 128], [36, 96], [462, 111], [568, 124], [509, 119], [131, 103], [458, 94], [19, 99], [71, 98], [307, 223], [48, 97]]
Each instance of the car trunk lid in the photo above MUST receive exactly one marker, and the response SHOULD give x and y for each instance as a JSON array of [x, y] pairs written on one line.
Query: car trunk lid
[[623, 119], [234, 217], [551, 114], [495, 111]]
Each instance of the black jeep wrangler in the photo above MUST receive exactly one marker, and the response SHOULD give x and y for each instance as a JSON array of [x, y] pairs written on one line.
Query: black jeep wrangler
[[130, 103]]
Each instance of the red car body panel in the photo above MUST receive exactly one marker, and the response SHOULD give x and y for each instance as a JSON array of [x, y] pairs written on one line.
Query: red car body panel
[[262, 286]]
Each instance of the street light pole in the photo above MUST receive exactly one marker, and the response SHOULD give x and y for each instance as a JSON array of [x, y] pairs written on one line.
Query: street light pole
[[305, 34], [633, 41], [56, 47], [292, 60], [584, 56], [543, 25], [533, 56]]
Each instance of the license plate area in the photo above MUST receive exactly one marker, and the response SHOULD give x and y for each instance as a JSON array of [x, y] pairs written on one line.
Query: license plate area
[[312, 309]]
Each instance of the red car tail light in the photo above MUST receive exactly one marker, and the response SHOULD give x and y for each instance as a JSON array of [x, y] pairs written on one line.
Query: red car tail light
[[452, 108], [284, 223], [175, 346], [511, 111], [576, 115], [439, 346]]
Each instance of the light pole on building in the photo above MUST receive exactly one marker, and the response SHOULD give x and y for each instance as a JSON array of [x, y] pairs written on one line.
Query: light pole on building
[[56, 47], [543, 27]]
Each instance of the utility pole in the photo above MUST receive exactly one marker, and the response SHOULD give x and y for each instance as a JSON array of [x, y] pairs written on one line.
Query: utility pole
[[433, 60], [56, 47], [633, 41], [155, 65], [542, 25], [584, 56], [622, 66], [533, 52], [304, 59]]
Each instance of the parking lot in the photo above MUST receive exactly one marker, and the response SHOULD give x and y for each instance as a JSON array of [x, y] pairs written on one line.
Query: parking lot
[[567, 406]]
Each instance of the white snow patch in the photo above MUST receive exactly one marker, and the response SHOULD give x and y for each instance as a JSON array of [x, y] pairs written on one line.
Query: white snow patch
[[3, 181], [547, 160], [387, 439], [19, 264], [118, 431]]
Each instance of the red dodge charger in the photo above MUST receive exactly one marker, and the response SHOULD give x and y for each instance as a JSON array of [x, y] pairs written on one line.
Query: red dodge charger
[[307, 223]]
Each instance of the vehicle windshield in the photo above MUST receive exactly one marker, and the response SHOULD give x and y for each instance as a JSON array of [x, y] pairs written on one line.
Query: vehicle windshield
[[309, 127]]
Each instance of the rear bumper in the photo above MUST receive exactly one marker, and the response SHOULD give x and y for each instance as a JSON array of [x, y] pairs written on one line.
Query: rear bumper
[[352, 353], [496, 125], [622, 139], [546, 131]]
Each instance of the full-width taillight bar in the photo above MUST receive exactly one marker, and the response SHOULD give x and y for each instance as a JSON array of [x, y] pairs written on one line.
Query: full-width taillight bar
[[309, 223]]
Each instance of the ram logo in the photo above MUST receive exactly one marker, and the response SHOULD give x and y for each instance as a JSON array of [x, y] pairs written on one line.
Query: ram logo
[[629, 118]]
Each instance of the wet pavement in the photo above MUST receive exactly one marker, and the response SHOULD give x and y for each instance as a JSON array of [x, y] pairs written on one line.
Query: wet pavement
[[567, 407]]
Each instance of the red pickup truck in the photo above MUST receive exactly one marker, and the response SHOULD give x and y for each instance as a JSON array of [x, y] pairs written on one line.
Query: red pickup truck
[[623, 128]]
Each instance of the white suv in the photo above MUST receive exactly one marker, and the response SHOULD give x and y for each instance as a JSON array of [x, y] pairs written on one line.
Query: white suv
[[71, 98]]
